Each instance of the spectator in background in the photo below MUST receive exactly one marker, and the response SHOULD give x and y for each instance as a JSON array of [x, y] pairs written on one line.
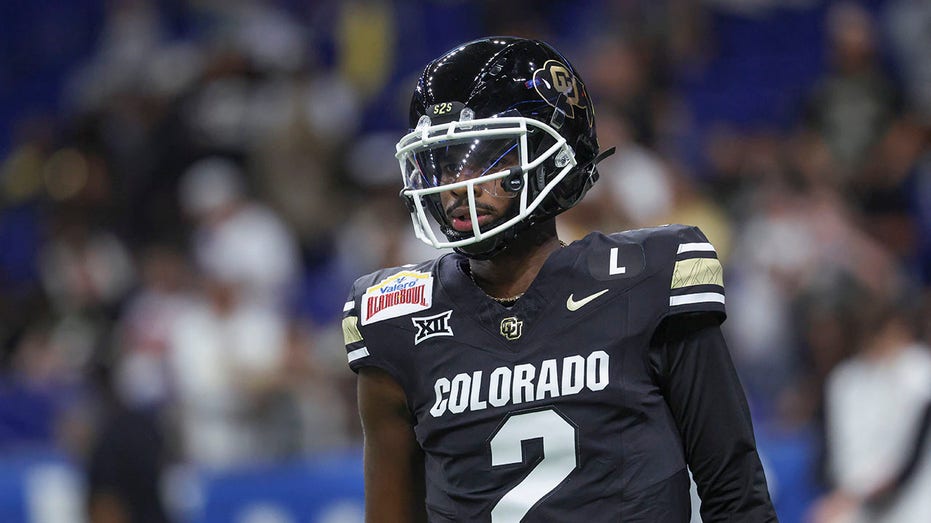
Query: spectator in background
[[84, 269], [855, 101], [906, 24], [796, 243], [875, 404], [884, 190], [37, 389], [142, 333], [228, 348], [226, 359], [125, 462], [238, 241], [130, 449]]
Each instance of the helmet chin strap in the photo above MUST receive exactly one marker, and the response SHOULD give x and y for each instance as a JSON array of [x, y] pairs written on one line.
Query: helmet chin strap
[[487, 249], [492, 247]]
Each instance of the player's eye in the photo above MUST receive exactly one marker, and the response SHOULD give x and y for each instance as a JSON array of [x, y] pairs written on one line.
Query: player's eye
[[507, 160], [449, 171]]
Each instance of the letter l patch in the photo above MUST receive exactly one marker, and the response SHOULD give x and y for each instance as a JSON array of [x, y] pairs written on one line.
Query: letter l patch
[[613, 269]]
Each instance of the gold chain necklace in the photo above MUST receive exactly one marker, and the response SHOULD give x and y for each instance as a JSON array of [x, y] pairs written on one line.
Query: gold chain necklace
[[504, 301]]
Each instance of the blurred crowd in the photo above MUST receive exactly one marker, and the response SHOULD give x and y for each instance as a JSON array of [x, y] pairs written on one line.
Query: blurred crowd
[[178, 235]]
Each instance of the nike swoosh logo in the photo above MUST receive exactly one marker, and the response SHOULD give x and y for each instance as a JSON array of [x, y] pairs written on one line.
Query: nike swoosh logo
[[573, 305]]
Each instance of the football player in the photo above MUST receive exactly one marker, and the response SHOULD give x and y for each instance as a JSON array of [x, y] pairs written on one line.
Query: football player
[[523, 379]]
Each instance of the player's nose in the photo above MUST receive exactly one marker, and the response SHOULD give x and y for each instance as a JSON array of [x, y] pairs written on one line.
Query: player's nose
[[479, 188], [466, 172]]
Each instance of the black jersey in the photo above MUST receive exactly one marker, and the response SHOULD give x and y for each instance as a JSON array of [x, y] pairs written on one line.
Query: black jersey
[[547, 410]]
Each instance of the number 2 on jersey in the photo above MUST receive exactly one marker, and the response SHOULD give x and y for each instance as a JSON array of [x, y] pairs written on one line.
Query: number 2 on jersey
[[559, 459]]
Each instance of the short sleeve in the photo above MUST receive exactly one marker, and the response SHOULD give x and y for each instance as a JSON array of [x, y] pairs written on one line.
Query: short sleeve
[[361, 351], [352, 337]]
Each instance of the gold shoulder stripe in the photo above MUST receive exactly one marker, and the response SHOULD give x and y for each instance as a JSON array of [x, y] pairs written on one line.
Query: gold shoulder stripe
[[697, 271], [351, 332]]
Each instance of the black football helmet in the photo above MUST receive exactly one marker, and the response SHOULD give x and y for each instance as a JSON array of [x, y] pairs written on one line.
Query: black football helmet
[[507, 114]]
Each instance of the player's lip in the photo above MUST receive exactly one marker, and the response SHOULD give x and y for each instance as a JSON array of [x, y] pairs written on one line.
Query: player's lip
[[461, 219]]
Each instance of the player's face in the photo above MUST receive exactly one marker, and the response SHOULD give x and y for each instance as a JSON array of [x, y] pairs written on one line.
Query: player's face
[[492, 201]]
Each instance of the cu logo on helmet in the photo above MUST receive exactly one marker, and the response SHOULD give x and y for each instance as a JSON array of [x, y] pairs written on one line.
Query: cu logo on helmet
[[555, 78]]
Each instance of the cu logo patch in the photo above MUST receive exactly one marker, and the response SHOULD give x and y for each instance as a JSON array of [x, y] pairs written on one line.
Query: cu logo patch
[[432, 326], [511, 328]]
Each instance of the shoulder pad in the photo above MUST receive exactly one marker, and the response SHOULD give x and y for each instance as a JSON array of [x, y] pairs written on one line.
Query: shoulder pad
[[391, 293], [693, 275], [677, 262], [384, 295]]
